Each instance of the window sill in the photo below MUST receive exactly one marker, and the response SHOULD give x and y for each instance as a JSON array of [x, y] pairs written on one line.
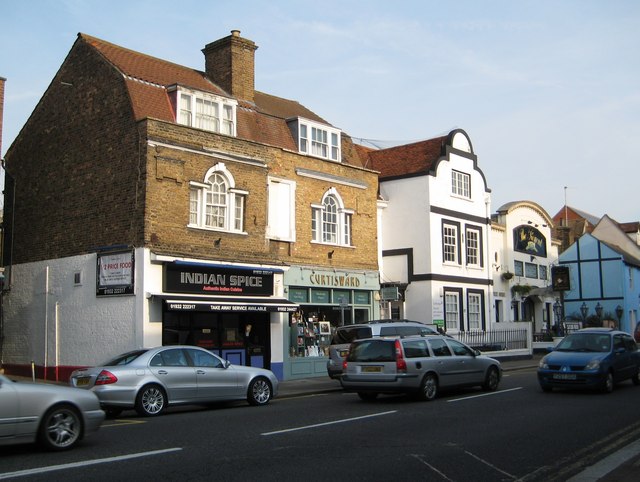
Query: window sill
[[216, 230]]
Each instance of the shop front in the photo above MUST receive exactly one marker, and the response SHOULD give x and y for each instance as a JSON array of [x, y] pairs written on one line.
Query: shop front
[[325, 299], [230, 310]]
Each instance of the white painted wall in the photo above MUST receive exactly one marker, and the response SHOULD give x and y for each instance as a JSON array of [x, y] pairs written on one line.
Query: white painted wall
[[48, 317]]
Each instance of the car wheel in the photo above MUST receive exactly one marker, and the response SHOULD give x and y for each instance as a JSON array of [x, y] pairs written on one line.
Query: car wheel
[[492, 380], [151, 401], [259, 392], [367, 396], [607, 387], [636, 377], [61, 428], [429, 387], [546, 388], [112, 412]]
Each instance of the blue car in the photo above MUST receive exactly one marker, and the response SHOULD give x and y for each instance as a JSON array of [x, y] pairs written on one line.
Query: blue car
[[596, 358]]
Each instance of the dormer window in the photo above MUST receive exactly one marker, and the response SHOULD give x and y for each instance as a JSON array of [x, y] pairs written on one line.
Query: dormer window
[[206, 111], [316, 139]]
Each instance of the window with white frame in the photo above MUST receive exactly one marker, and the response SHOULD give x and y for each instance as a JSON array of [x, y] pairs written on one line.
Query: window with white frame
[[474, 310], [215, 203], [318, 140], [452, 310], [330, 221], [450, 243], [461, 184], [472, 241], [207, 112], [281, 216]]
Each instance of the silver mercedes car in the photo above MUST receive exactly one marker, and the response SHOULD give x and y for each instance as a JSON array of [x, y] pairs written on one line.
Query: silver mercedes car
[[149, 380], [57, 417]]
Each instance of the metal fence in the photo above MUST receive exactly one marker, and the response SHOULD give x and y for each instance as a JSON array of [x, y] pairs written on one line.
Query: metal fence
[[497, 340]]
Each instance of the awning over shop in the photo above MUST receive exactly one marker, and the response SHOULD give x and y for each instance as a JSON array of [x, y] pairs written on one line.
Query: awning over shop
[[220, 304]]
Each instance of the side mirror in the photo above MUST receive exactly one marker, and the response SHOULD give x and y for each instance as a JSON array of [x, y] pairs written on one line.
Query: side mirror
[[476, 353], [227, 363]]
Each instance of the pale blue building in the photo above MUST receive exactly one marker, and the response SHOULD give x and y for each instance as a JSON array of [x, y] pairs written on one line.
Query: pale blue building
[[604, 276]]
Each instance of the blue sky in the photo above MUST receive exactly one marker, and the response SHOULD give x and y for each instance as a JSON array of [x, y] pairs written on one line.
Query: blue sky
[[548, 90]]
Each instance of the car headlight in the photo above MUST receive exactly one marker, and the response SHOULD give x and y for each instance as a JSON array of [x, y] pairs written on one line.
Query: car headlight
[[593, 365], [543, 364]]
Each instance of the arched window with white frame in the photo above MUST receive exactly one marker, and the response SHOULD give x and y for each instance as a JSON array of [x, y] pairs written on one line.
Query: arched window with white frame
[[215, 203], [331, 221]]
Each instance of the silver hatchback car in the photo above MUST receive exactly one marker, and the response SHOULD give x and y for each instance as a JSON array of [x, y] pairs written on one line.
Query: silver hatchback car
[[417, 365], [149, 380]]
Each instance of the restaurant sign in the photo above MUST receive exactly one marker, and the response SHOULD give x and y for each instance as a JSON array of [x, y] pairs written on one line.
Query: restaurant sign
[[114, 273], [203, 279]]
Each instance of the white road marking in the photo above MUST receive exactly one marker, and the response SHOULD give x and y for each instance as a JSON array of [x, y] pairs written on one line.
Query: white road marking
[[484, 395], [490, 465], [441, 474], [346, 420], [84, 463]]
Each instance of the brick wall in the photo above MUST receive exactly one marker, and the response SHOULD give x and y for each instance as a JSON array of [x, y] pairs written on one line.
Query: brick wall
[[170, 171], [77, 165], [2, 82]]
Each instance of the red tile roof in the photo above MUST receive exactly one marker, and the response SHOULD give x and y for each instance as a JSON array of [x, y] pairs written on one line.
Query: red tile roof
[[409, 159], [148, 80]]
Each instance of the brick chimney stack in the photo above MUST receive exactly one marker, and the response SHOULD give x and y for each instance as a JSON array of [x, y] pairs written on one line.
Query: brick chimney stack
[[230, 63]]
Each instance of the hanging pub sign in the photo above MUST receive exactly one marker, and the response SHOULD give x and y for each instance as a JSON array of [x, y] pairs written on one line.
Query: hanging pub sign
[[560, 278], [114, 273], [527, 239], [194, 278]]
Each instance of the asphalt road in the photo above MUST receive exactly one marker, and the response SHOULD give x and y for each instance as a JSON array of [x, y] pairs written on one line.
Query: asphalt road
[[516, 433]]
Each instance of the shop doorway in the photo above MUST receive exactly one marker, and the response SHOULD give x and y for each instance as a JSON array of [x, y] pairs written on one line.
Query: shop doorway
[[241, 338]]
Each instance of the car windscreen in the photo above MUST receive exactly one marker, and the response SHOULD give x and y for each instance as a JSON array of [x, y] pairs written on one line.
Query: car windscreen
[[347, 334], [124, 359], [585, 342], [372, 351]]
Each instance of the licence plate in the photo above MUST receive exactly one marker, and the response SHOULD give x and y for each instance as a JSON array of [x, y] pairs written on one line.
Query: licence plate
[[82, 381], [564, 376], [376, 369]]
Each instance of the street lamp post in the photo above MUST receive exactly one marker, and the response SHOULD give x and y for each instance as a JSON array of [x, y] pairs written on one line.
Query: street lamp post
[[619, 312], [599, 312], [584, 309], [557, 311]]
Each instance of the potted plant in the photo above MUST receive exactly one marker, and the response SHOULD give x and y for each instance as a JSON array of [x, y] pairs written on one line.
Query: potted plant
[[507, 276]]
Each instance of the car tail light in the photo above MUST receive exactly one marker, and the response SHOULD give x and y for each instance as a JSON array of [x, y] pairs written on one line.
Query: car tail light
[[401, 364], [105, 378]]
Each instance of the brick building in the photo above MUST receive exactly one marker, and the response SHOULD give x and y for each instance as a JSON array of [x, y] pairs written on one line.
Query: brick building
[[158, 204]]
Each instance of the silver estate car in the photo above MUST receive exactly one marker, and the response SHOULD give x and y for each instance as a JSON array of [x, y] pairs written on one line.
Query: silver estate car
[[57, 417], [149, 380], [417, 365], [344, 335]]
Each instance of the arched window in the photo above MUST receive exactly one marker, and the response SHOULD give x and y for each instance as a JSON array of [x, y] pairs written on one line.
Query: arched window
[[215, 203], [330, 221]]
